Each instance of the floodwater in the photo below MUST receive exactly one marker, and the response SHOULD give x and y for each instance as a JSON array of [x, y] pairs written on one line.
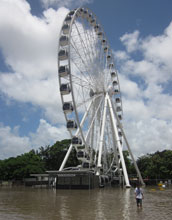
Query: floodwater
[[20, 203]]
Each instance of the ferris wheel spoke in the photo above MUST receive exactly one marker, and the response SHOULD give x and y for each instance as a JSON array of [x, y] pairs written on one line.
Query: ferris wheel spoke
[[81, 61], [85, 124], [84, 49], [94, 117], [101, 59], [99, 56], [98, 50], [86, 101], [80, 96], [94, 41], [90, 43], [84, 78], [81, 88], [86, 46], [77, 81]]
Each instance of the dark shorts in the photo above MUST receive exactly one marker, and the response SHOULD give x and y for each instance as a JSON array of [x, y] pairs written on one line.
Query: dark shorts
[[139, 202]]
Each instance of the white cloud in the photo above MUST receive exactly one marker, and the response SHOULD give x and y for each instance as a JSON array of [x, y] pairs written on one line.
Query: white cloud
[[136, 109], [40, 92], [47, 134], [29, 46], [158, 49], [147, 99], [156, 54], [130, 89], [121, 55], [148, 136], [64, 3], [12, 144], [131, 41]]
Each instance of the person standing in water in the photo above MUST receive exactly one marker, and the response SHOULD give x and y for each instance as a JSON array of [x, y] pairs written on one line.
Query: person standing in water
[[139, 195]]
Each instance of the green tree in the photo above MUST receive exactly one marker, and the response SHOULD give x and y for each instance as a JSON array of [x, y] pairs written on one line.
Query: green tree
[[157, 165], [129, 163], [54, 155], [21, 166]]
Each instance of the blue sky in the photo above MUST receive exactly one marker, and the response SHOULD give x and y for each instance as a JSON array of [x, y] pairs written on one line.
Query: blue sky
[[140, 34]]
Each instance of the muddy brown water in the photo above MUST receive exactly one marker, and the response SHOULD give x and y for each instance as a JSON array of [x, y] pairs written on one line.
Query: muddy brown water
[[21, 203]]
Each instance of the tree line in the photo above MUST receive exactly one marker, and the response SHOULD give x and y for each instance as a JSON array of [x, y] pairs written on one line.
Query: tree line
[[152, 166], [39, 161]]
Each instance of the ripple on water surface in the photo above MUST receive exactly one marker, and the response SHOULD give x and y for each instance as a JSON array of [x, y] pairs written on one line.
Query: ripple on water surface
[[99, 204]]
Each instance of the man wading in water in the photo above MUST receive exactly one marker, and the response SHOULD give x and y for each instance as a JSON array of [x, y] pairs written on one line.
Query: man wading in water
[[139, 196]]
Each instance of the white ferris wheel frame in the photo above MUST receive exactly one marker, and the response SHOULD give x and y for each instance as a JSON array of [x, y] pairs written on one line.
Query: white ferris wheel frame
[[104, 96]]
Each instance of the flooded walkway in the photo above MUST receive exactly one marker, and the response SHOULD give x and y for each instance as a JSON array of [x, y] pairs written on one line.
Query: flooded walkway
[[97, 204]]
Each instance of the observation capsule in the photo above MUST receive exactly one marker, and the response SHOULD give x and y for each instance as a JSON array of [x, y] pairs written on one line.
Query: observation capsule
[[80, 12], [115, 83], [105, 49], [85, 165], [120, 133], [64, 40], [93, 22], [118, 109], [80, 154], [68, 19], [71, 125], [65, 89], [63, 55], [111, 65], [67, 107], [120, 117], [118, 100], [63, 71], [100, 35], [103, 42], [97, 28], [109, 57], [76, 141], [116, 90], [113, 74], [89, 17], [65, 29], [71, 13], [85, 14]]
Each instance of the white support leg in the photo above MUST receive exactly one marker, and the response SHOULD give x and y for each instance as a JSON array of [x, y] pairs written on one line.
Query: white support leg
[[99, 163], [115, 149], [93, 121], [118, 143], [66, 158], [129, 149]]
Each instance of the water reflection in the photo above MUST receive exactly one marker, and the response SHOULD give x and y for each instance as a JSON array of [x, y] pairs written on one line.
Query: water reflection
[[97, 204], [99, 208]]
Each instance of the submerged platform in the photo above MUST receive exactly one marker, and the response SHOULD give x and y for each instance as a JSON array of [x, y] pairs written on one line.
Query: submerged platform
[[74, 179]]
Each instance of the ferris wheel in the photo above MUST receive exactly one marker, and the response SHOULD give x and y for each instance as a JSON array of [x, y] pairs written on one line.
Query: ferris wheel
[[90, 95]]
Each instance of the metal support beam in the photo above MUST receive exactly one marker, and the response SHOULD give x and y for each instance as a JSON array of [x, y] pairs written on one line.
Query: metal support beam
[[99, 163], [129, 149], [118, 142]]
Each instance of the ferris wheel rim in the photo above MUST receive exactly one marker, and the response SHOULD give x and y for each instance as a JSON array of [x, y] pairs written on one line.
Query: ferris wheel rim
[[74, 17], [72, 21], [112, 117]]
